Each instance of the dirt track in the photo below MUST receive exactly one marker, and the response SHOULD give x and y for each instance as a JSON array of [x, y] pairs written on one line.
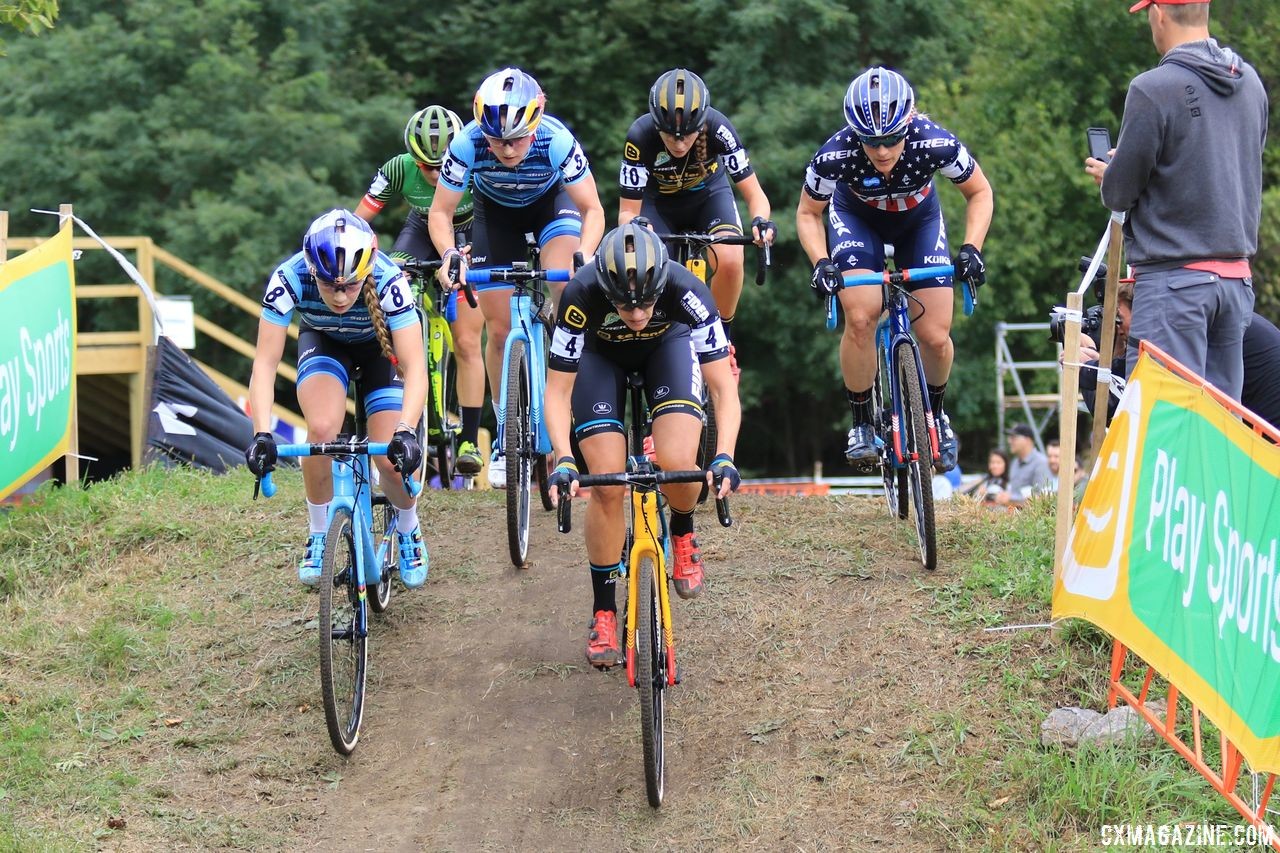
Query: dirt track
[[810, 669]]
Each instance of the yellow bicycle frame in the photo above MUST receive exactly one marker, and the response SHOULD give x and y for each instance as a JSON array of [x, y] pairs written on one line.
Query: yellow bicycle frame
[[437, 336], [697, 266], [645, 527]]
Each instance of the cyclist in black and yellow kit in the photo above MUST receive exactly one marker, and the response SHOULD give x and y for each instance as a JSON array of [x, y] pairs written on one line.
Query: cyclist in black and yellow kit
[[673, 172], [635, 309], [414, 176]]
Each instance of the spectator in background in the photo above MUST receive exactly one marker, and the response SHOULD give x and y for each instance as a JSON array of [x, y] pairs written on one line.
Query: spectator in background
[[1187, 169], [1029, 470], [1053, 455], [997, 479]]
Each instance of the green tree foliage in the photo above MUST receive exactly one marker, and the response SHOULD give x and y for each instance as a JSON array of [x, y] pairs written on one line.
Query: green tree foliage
[[27, 16], [221, 127]]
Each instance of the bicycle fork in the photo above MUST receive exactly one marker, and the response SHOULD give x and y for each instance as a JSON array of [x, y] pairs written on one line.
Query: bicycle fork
[[889, 340], [645, 511]]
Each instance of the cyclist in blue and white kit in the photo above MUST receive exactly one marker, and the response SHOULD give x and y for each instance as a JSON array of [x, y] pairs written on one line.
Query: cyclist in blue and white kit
[[877, 177], [356, 309], [528, 175]]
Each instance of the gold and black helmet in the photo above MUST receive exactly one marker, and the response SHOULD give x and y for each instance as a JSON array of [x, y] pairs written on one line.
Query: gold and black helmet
[[678, 102], [631, 266]]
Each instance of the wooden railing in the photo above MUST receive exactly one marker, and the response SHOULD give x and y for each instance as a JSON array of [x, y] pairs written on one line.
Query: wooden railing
[[124, 352]]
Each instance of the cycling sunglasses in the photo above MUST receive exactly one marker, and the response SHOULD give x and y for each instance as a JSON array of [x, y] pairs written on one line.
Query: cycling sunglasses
[[887, 141]]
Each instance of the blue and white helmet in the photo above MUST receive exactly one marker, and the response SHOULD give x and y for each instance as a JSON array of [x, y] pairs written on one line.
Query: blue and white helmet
[[339, 247], [879, 102], [509, 104]]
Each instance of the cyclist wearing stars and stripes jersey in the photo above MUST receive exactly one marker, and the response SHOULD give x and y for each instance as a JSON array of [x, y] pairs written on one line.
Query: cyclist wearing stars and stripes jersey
[[528, 175], [874, 182]]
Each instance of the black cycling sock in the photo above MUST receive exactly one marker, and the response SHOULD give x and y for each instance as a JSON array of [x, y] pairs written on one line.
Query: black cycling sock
[[727, 322], [936, 393], [860, 405], [603, 583], [681, 522], [470, 423]]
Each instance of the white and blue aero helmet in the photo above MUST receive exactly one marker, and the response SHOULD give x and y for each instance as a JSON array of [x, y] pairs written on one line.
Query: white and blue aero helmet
[[879, 102]]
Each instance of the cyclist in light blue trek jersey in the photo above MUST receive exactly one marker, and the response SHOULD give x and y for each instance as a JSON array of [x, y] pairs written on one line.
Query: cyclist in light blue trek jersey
[[528, 175], [356, 310]]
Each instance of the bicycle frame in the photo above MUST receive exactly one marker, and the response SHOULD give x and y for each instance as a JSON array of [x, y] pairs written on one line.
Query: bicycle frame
[[524, 316], [648, 529], [351, 491], [895, 328]]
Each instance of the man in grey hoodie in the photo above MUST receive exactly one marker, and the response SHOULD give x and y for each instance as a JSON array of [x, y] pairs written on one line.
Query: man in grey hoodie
[[1187, 171]]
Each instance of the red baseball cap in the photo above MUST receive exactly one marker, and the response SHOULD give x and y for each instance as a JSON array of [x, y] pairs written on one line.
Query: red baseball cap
[[1142, 4]]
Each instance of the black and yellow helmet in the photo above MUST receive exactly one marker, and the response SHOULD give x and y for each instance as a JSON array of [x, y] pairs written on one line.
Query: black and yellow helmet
[[428, 133], [678, 102], [631, 266]]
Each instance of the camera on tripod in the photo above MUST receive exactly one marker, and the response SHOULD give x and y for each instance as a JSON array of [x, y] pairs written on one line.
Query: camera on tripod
[[1091, 319]]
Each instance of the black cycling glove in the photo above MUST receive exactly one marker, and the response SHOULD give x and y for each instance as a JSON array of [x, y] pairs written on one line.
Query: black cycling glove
[[761, 225], [826, 278], [564, 475], [721, 467], [404, 452], [261, 455], [970, 266]]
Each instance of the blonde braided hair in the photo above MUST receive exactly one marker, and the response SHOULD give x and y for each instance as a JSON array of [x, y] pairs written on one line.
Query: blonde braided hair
[[379, 321]]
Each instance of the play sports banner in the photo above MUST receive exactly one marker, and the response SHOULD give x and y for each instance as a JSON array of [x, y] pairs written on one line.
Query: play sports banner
[[1174, 549], [37, 359]]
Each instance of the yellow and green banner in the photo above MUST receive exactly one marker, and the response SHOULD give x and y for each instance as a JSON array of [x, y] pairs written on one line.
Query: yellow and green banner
[[37, 359], [1174, 550]]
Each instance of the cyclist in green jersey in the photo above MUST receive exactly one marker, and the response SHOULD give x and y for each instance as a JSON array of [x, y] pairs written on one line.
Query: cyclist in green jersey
[[413, 176]]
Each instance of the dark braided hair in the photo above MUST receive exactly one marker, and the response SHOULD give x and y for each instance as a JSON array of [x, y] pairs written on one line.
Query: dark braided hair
[[700, 152]]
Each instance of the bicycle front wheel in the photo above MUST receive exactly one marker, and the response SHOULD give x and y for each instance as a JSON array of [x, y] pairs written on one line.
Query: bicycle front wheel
[[383, 526], [446, 438], [919, 456], [707, 446], [895, 478], [343, 636], [651, 680], [517, 445]]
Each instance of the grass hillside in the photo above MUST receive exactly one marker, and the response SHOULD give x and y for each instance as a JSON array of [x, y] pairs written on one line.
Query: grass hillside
[[158, 688]]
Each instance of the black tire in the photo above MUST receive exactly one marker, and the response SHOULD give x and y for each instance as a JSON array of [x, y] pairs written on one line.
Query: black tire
[[384, 526], [344, 642], [517, 445], [919, 452], [707, 449], [651, 682], [895, 479], [439, 420], [542, 474]]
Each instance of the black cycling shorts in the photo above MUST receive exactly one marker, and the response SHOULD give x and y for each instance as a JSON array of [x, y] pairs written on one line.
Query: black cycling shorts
[[498, 232], [320, 354], [672, 381], [712, 210]]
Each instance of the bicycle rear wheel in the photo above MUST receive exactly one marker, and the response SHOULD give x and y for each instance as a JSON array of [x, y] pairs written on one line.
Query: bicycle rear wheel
[[343, 637], [517, 445], [651, 681], [445, 437], [707, 447], [919, 457], [384, 525], [895, 478]]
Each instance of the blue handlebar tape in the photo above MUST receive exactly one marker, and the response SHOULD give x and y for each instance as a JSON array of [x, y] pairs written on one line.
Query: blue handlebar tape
[[268, 485], [970, 300], [831, 312]]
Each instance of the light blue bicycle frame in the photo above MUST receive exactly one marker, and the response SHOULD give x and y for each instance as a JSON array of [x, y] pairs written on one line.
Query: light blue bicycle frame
[[525, 327], [351, 493]]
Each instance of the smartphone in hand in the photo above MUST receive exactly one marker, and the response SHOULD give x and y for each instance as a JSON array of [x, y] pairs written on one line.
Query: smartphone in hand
[[1100, 144]]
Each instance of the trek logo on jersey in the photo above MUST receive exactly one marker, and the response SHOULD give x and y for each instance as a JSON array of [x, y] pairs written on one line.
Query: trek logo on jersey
[[630, 151], [575, 317], [942, 142], [842, 154], [695, 307], [602, 408]]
